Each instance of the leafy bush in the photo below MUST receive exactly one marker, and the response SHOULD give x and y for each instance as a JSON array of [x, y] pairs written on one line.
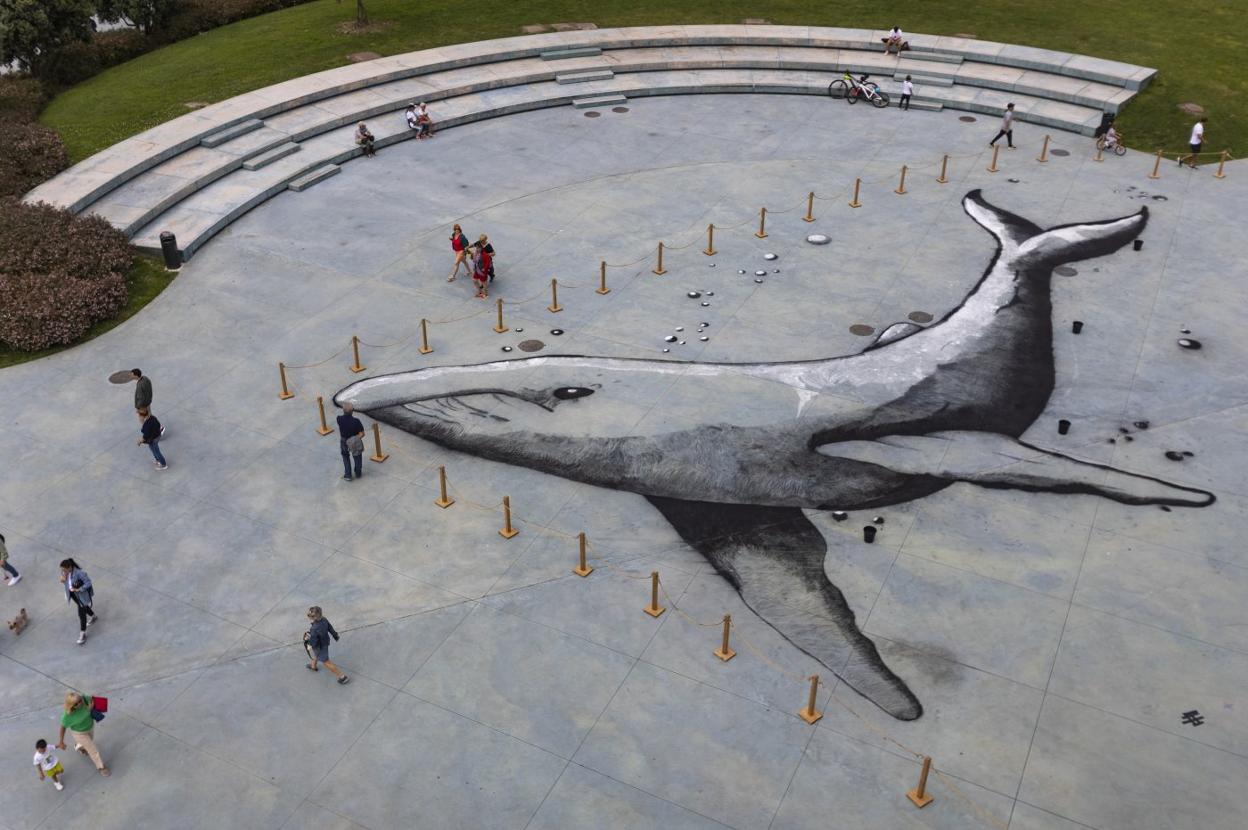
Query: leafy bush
[[21, 97], [59, 274], [30, 153], [78, 61]]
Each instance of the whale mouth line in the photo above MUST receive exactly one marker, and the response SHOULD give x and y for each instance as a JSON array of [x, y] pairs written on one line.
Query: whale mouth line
[[495, 405]]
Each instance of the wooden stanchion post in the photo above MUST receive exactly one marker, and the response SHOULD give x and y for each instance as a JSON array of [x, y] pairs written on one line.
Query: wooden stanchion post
[[901, 187], [602, 278], [378, 456], [508, 531], [658, 268], [724, 652], [810, 207], [285, 394], [443, 500], [857, 186], [810, 714], [424, 336], [356, 367], [654, 609], [762, 223], [919, 795], [944, 166], [1221, 164], [1044, 151], [1100, 152], [996, 148], [1156, 174], [710, 241], [583, 569], [499, 327], [554, 307], [323, 429]]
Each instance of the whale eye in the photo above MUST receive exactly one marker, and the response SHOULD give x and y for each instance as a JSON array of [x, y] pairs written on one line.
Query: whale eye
[[567, 393]]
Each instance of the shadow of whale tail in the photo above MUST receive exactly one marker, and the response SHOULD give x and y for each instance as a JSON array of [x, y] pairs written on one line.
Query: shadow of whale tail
[[774, 557]]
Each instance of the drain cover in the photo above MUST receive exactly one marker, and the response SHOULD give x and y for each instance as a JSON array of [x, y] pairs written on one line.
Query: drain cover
[[861, 329], [592, 114], [531, 345], [967, 118], [122, 376], [920, 317]]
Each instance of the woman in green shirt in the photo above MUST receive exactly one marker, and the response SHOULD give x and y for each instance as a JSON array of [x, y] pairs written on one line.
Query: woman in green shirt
[[77, 719]]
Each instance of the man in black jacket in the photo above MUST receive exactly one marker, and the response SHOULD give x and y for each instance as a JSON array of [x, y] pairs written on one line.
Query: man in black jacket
[[351, 442], [142, 389]]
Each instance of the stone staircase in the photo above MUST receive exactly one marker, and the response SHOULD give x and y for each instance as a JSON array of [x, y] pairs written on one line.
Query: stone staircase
[[196, 174]]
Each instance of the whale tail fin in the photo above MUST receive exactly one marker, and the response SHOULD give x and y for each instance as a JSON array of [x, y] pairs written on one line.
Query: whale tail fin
[[1025, 245]]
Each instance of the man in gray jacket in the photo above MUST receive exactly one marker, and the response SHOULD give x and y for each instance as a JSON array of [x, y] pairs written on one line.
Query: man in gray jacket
[[142, 389]]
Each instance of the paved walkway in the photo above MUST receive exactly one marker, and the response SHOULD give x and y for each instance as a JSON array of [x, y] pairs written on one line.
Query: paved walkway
[[1056, 641]]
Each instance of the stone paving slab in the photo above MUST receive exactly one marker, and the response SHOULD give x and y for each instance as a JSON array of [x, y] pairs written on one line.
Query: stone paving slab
[[1054, 640]]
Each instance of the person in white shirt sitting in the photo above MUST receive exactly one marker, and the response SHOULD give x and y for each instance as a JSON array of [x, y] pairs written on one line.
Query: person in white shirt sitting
[[895, 40]]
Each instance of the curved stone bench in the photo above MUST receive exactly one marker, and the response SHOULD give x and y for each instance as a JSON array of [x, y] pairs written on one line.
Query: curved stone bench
[[195, 174]]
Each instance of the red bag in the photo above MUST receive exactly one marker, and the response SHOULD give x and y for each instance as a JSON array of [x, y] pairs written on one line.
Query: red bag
[[99, 704]]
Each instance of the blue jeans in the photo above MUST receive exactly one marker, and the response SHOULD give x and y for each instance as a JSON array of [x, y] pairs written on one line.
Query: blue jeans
[[154, 446], [9, 569], [346, 461]]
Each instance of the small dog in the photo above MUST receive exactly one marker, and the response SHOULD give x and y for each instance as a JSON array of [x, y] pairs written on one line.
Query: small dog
[[19, 622]]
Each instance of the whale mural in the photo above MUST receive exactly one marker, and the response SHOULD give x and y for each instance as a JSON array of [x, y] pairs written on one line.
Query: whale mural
[[916, 411]]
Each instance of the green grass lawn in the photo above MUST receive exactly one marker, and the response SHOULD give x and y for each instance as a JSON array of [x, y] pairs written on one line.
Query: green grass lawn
[[146, 279], [1197, 46]]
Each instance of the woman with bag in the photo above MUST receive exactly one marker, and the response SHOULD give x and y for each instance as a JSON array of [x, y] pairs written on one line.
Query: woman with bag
[[79, 592], [459, 244], [79, 718]]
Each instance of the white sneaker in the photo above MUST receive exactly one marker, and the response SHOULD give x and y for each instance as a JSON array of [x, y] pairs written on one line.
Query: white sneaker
[[15, 580], [59, 786], [160, 466], [91, 621], [82, 637]]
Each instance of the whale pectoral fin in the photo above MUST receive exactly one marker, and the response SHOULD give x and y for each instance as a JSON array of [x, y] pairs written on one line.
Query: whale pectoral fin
[[993, 460], [774, 557]]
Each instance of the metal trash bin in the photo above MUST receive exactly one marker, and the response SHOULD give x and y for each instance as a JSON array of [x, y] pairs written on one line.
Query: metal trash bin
[[169, 247]]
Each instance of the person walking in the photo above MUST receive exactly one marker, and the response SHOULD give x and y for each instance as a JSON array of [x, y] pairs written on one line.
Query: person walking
[[77, 718], [48, 765], [79, 592], [351, 442], [151, 432], [142, 389], [483, 244], [1196, 140], [907, 89], [317, 641], [482, 262], [14, 576], [459, 244], [1007, 128]]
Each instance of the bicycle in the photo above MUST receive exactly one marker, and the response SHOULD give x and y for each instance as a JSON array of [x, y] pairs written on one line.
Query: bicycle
[[852, 90], [1117, 148]]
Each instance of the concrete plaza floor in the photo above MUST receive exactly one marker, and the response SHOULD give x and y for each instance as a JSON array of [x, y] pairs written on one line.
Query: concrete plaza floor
[[1056, 641]]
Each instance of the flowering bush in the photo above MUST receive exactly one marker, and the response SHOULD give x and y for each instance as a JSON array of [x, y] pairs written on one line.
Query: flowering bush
[[59, 274]]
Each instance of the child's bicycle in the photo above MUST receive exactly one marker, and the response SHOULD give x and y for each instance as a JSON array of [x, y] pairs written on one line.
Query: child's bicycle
[[852, 90], [1117, 147]]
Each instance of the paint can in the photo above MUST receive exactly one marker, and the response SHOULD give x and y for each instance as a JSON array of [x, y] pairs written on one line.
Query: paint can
[[1139, 243], [1063, 427], [868, 534], [1076, 326]]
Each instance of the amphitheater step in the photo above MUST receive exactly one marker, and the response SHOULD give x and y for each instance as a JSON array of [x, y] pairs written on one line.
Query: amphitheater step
[[598, 101], [929, 80], [320, 174], [562, 54], [230, 133], [270, 156], [942, 57], [926, 106], [582, 77]]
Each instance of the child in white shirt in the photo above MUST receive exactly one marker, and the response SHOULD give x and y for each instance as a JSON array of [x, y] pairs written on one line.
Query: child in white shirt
[[47, 764]]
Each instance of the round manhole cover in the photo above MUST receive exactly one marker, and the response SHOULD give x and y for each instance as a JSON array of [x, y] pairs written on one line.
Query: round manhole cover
[[861, 329], [531, 345], [920, 316], [122, 376], [967, 118], [1065, 271], [592, 114], [1060, 153], [619, 109]]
